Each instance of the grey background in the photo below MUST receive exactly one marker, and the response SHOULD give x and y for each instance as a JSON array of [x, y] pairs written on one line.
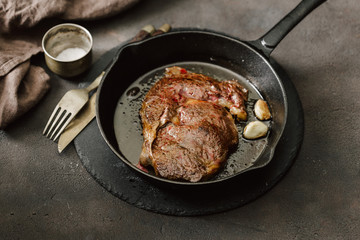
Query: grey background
[[46, 195]]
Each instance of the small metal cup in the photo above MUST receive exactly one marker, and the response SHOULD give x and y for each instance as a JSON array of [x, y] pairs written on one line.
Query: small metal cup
[[67, 49]]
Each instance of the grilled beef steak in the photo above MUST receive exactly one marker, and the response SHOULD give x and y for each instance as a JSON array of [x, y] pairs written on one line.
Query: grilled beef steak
[[187, 128]]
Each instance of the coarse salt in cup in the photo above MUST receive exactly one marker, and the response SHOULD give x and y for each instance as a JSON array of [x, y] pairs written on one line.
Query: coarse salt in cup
[[67, 49]]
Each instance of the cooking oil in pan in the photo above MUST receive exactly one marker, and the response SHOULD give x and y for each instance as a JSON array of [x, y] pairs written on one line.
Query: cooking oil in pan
[[127, 122]]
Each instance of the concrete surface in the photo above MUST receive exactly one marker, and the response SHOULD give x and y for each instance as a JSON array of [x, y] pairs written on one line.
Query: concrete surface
[[46, 195]]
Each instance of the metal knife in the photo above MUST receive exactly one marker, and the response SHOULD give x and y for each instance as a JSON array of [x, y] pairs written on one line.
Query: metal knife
[[82, 119]]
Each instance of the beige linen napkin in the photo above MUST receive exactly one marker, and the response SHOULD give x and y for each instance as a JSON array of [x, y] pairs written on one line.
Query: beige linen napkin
[[22, 85], [15, 14]]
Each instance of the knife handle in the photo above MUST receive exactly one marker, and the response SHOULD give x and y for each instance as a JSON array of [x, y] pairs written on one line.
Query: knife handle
[[163, 29], [143, 33]]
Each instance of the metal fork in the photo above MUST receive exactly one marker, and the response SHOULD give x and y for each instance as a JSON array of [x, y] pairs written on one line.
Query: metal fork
[[70, 104]]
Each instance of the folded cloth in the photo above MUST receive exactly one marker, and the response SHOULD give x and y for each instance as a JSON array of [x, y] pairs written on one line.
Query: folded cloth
[[94, 9], [21, 84], [16, 14], [20, 90], [15, 51]]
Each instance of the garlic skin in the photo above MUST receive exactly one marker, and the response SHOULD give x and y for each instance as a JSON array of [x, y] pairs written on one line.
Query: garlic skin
[[262, 111], [255, 129]]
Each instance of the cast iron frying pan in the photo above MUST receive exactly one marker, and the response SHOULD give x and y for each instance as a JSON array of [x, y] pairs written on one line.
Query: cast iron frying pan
[[139, 65]]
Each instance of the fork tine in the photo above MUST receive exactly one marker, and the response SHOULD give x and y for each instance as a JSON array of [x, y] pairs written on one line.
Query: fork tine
[[56, 121], [62, 126], [51, 120]]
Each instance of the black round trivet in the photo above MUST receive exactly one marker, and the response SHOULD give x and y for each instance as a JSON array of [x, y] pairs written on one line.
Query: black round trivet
[[126, 184]]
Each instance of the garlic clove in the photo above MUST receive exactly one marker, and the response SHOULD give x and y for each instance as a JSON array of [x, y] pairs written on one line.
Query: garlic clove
[[240, 114], [255, 129], [261, 110]]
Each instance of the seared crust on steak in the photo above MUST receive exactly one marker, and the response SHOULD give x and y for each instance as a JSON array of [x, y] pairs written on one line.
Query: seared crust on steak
[[187, 128]]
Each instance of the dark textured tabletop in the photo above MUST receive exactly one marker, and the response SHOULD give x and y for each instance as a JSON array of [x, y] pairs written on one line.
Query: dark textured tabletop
[[47, 195]]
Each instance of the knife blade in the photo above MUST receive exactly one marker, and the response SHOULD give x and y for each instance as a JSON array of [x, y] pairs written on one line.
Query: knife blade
[[82, 119]]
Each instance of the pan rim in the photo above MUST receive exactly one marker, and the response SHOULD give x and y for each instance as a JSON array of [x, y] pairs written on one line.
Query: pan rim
[[246, 44]]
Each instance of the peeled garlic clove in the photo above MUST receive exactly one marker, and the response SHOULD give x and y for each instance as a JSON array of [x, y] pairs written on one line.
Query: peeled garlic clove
[[240, 114], [255, 129], [261, 110]]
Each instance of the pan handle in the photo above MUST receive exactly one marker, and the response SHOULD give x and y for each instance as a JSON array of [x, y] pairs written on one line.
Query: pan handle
[[272, 38]]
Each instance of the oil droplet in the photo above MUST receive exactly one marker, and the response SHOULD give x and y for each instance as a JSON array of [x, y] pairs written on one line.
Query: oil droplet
[[133, 92]]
